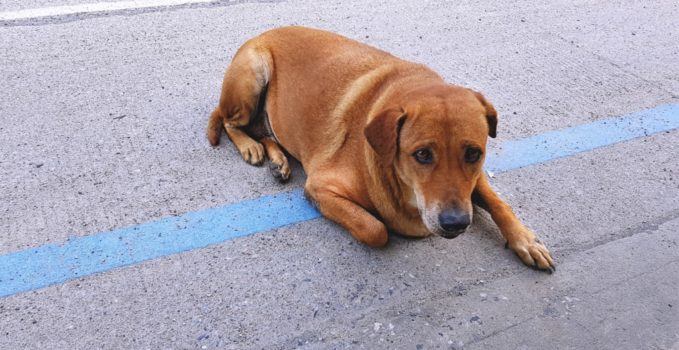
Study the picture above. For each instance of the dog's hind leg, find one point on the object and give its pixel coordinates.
(251, 150)
(279, 166)
(244, 81)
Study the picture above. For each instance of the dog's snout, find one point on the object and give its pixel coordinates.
(454, 220)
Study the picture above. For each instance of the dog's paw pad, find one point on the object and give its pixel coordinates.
(280, 171)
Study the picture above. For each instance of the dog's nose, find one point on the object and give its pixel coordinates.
(454, 221)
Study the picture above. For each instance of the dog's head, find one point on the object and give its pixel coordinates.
(435, 139)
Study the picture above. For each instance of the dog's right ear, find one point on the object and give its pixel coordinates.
(491, 114)
(382, 133)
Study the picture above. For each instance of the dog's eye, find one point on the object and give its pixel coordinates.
(472, 155)
(423, 156)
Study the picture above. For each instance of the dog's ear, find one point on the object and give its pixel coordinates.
(491, 114)
(382, 133)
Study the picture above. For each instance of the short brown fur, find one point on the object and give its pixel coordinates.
(356, 118)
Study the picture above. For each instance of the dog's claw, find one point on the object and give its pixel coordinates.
(275, 170)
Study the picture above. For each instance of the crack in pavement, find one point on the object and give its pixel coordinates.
(610, 62)
(395, 309)
(647, 226)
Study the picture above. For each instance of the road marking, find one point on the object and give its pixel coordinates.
(51, 264)
(580, 138)
(92, 8)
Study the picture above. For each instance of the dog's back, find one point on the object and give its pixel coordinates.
(322, 84)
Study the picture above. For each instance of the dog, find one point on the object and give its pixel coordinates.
(386, 144)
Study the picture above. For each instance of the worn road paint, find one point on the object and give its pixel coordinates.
(51, 263)
(66, 10)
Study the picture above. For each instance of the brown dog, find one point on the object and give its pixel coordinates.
(383, 141)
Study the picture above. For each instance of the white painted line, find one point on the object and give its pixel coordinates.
(90, 8)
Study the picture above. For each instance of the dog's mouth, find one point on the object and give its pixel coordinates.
(432, 220)
(440, 231)
(445, 223)
(451, 234)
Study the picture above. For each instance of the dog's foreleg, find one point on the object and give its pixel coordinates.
(519, 238)
(341, 209)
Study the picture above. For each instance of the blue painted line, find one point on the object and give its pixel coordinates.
(52, 264)
(585, 137)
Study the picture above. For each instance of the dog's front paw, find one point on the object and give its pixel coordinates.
(252, 152)
(532, 252)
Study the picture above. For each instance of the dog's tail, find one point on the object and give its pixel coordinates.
(214, 127)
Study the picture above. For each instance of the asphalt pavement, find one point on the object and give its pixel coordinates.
(103, 118)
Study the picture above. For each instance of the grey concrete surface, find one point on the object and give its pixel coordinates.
(102, 127)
